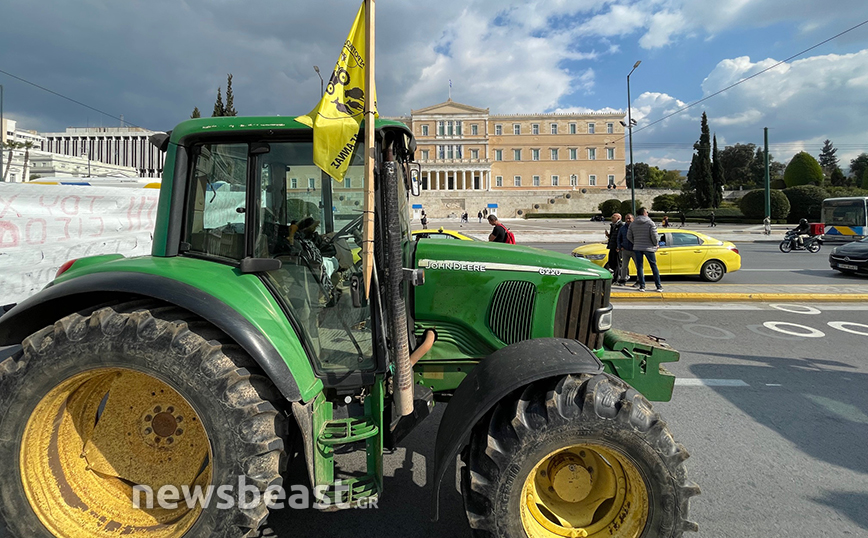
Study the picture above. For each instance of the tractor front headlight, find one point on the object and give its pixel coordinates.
(603, 319)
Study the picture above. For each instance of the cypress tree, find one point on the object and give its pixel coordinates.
(196, 113)
(229, 109)
(717, 175)
(702, 176)
(219, 110)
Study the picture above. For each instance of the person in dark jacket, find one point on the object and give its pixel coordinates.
(643, 234)
(612, 243)
(625, 252)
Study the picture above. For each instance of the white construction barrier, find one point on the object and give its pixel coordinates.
(43, 226)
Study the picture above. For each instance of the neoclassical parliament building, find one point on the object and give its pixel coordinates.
(464, 148)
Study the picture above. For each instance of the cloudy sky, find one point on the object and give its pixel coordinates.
(154, 60)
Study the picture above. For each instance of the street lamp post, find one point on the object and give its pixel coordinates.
(321, 91)
(630, 134)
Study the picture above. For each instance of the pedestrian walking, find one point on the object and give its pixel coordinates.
(625, 252)
(424, 220)
(666, 221)
(712, 218)
(500, 233)
(479, 215)
(643, 234)
(683, 218)
(612, 243)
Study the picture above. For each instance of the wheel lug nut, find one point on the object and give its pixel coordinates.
(148, 418)
(148, 431)
(158, 409)
(179, 431)
(170, 440)
(170, 409)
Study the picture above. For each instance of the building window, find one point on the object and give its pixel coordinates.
(516, 155)
(610, 128)
(534, 154)
(348, 183)
(572, 128)
(450, 152)
(424, 130)
(534, 128)
(610, 153)
(554, 128)
(591, 128)
(311, 183)
(573, 154)
(458, 128)
(293, 183)
(554, 154)
(592, 180)
(536, 181)
(441, 128)
(498, 130)
(474, 154)
(474, 129)
(611, 179)
(516, 128)
(592, 154)
(424, 154)
(555, 181)
(574, 180)
(516, 181)
(441, 152)
(498, 155)
(498, 181)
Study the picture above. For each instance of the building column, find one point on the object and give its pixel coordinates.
(436, 180)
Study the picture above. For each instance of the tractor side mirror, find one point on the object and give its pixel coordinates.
(415, 179)
(259, 265)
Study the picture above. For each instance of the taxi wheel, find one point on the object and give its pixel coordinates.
(712, 270)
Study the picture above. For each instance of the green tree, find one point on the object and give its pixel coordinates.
(836, 178)
(664, 179)
(627, 206)
(665, 202)
(702, 180)
(805, 201)
(229, 109)
(610, 207)
(219, 109)
(717, 175)
(828, 161)
(736, 161)
(803, 170)
(865, 179)
(196, 113)
(641, 170)
(858, 167)
(753, 204)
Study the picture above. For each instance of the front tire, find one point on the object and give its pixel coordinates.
(126, 396)
(579, 455)
(814, 247)
(786, 246)
(712, 270)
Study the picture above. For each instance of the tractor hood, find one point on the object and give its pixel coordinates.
(480, 297)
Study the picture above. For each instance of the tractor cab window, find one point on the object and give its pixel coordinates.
(217, 204)
(314, 229)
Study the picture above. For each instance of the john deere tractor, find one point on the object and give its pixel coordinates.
(246, 343)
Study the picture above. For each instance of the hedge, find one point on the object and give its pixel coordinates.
(610, 207)
(753, 204)
(806, 201)
(803, 170)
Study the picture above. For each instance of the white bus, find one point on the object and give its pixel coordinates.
(845, 219)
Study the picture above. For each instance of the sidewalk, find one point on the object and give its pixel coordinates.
(856, 292)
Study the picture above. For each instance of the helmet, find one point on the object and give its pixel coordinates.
(803, 221)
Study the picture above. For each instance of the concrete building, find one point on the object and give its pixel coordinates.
(118, 146)
(464, 148)
(16, 167)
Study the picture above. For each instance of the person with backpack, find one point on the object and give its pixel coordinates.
(424, 220)
(500, 233)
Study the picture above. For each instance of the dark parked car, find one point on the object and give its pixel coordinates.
(598, 218)
(851, 258)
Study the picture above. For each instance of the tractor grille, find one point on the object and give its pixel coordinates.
(574, 316)
(511, 315)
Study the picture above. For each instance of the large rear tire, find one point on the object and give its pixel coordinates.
(576, 456)
(129, 396)
(814, 246)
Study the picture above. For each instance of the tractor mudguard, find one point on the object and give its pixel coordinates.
(64, 298)
(496, 376)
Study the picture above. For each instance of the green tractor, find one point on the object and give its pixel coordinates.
(246, 344)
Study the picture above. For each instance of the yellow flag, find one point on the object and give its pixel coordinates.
(337, 117)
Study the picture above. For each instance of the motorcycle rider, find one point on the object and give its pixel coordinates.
(801, 232)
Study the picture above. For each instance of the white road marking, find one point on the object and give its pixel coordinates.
(756, 329)
(811, 332)
(677, 315)
(703, 330)
(688, 306)
(773, 384)
(697, 382)
(840, 326)
(795, 308)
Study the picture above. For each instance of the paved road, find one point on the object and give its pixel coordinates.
(777, 425)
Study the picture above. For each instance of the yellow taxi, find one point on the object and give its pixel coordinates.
(681, 252)
(440, 233)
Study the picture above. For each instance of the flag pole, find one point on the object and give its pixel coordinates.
(368, 223)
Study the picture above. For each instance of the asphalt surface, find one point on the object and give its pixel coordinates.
(776, 424)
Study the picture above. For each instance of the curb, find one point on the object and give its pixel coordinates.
(739, 297)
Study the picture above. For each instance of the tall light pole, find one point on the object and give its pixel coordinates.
(321, 91)
(630, 131)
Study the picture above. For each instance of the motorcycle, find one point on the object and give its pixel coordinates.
(791, 242)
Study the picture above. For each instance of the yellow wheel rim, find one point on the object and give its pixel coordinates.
(98, 434)
(585, 490)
